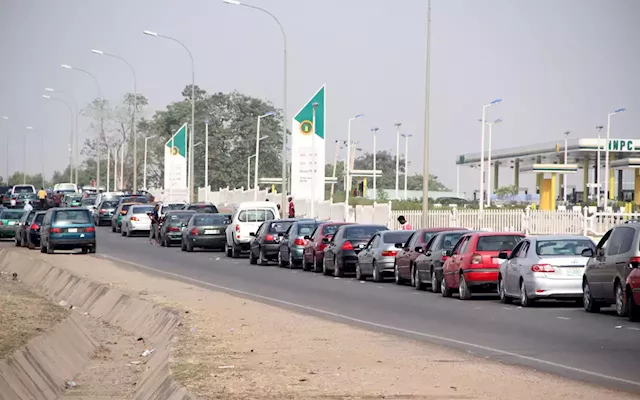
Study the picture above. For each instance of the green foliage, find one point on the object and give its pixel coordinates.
(508, 190)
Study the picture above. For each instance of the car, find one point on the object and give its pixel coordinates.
(405, 260)
(65, 188)
(133, 198)
(632, 292)
(428, 266)
(116, 219)
(19, 190)
(377, 258)
(160, 210)
(171, 225)
(9, 219)
(89, 204)
(23, 198)
(605, 277)
(473, 263)
(205, 231)
(313, 252)
(265, 245)
(543, 267)
(20, 237)
(294, 241)
(108, 196)
(6, 195)
(247, 218)
(136, 219)
(33, 230)
(341, 253)
(67, 229)
(104, 212)
(202, 207)
(71, 200)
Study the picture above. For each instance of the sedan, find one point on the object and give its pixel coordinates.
(378, 256)
(206, 231)
(136, 220)
(171, 225)
(294, 241)
(428, 266)
(265, 245)
(341, 253)
(104, 212)
(313, 252)
(544, 267)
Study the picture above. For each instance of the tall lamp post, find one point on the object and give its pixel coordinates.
(598, 166)
(606, 155)
(133, 121)
(249, 171)
(45, 96)
(348, 167)
(489, 190)
(374, 132)
(98, 143)
(6, 142)
(564, 178)
(284, 106)
(484, 113)
(397, 125)
(406, 161)
(425, 161)
(24, 157)
(144, 178)
(255, 172)
(74, 141)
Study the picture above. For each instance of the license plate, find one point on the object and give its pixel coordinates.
(72, 230)
(574, 271)
(211, 232)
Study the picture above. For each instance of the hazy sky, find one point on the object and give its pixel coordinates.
(558, 65)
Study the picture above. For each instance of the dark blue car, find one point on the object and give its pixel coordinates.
(68, 229)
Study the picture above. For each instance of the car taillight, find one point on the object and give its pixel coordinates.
(542, 268)
(237, 228)
(34, 227)
(1, 223)
(322, 246)
(90, 229)
(102, 211)
(476, 259)
(347, 246)
(389, 253)
(634, 262)
(194, 231)
(444, 258)
(55, 230)
(300, 242)
(173, 229)
(135, 218)
(268, 238)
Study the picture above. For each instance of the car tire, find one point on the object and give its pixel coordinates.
(435, 283)
(359, 275)
(325, 270)
(464, 291)
(261, 259)
(92, 249)
(189, 246)
(167, 242)
(43, 248)
(30, 246)
(235, 252)
(377, 276)
(252, 260)
(50, 249)
(444, 288)
(396, 275)
(227, 250)
(525, 301)
(633, 309)
(621, 301)
(588, 301)
(417, 283)
(292, 263)
(85, 250)
(504, 299)
(337, 272)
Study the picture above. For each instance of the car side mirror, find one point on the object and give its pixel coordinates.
(419, 249)
(283, 235)
(325, 240)
(252, 234)
(448, 253)
(398, 245)
(587, 253)
(503, 255)
(307, 237)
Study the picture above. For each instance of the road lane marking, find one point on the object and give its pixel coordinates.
(563, 318)
(633, 328)
(378, 325)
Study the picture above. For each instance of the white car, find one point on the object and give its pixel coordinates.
(136, 219)
(165, 208)
(246, 219)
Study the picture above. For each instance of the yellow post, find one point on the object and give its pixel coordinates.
(553, 191)
(636, 186)
(612, 181)
(364, 188)
(545, 194)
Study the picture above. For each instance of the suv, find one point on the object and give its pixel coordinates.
(246, 220)
(605, 277)
(68, 229)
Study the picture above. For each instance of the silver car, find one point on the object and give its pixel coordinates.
(378, 256)
(136, 219)
(544, 267)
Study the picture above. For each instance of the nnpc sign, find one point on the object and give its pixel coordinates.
(622, 145)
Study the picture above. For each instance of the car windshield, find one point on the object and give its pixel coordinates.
(77, 216)
(306, 229)
(88, 202)
(74, 198)
(257, 215)
(203, 208)
(170, 207)
(12, 214)
(142, 210)
(497, 242)
(330, 229)
(209, 220)
(109, 204)
(563, 247)
(39, 218)
(450, 239)
(179, 218)
(137, 199)
(22, 189)
(396, 237)
(361, 232)
(280, 226)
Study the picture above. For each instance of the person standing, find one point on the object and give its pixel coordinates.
(42, 196)
(292, 208)
(28, 207)
(404, 224)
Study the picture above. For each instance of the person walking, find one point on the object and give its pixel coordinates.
(42, 196)
(404, 224)
(292, 208)
(28, 207)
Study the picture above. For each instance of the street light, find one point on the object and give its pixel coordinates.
(144, 178)
(74, 146)
(606, 155)
(4, 118)
(427, 91)
(348, 167)
(564, 178)
(497, 121)
(284, 106)
(24, 157)
(339, 145)
(70, 133)
(249, 166)
(66, 66)
(133, 123)
(374, 131)
(255, 172)
(397, 125)
(406, 161)
(598, 165)
(193, 111)
(484, 111)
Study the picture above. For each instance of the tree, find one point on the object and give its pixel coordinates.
(504, 191)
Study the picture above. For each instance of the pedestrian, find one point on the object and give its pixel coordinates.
(154, 216)
(42, 196)
(292, 208)
(28, 207)
(404, 224)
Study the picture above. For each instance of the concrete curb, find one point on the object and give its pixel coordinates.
(100, 301)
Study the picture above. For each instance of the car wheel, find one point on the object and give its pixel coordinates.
(325, 271)
(377, 277)
(30, 245)
(227, 249)
(167, 242)
(337, 271)
(43, 248)
(504, 299)
(235, 252)
(463, 290)
(252, 259)
(634, 309)
(92, 249)
(396, 275)
(292, 264)
(189, 246)
(588, 302)
(417, 283)
(525, 301)
(621, 301)
(435, 283)
(85, 250)
(262, 259)
(359, 273)
(444, 288)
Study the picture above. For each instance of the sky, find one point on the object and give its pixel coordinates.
(557, 65)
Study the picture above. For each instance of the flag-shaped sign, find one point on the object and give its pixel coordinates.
(175, 160)
(308, 148)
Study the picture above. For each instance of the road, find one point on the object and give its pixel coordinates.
(557, 338)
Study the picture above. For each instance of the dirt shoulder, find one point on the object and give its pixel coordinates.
(23, 315)
(231, 348)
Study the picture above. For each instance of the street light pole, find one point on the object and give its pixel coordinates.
(397, 125)
(284, 107)
(484, 113)
(4, 118)
(44, 96)
(145, 160)
(206, 160)
(348, 167)
(564, 179)
(425, 161)
(374, 131)
(249, 171)
(108, 167)
(406, 161)
(598, 170)
(606, 156)
(488, 172)
(24, 157)
(255, 172)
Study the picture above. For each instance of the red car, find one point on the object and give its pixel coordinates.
(313, 252)
(633, 290)
(473, 263)
(405, 259)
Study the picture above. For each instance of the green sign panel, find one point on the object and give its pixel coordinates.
(621, 145)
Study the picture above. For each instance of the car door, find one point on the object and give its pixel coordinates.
(308, 248)
(516, 267)
(366, 255)
(330, 250)
(595, 266)
(423, 261)
(616, 264)
(404, 256)
(255, 243)
(285, 245)
(462, 259)
(451, 265)
(510, 269)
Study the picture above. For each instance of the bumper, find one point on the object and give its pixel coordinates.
(34, 238)
(204, 241)
(348, 262)
(270, 250)
(296, 253)
(8, 231)
(70, 244)
(174, 237)
(545, 288)
(140, 226)
(481, 276)
(384, 266)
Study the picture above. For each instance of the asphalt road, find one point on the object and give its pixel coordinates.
(557, 338)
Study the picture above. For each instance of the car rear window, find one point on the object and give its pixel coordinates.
(182, 217)
(563, 247)
(209, 220)
(330, 229)
(12, 214)
(39, 218)
(257, 215)
(171, 207)
(362, 232)
(125, 208)
(23, 189)
(136, 199)
(427, 236)
(203, 208)
(142, 210)
(109, 204)
(497, 242)
(450, 239)
(72, 217)
(306, 229)
(280, 227)
(396, 237)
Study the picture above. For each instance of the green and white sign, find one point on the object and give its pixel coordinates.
(175, 161)
(622, 145)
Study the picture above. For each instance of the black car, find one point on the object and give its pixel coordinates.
(21, 230)
(33, 230)
(206, 231)
(105, 211)
(266, 243)
(171, 225)
(293, 242)
(202, 207)
(429, 264)
(341, 253)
